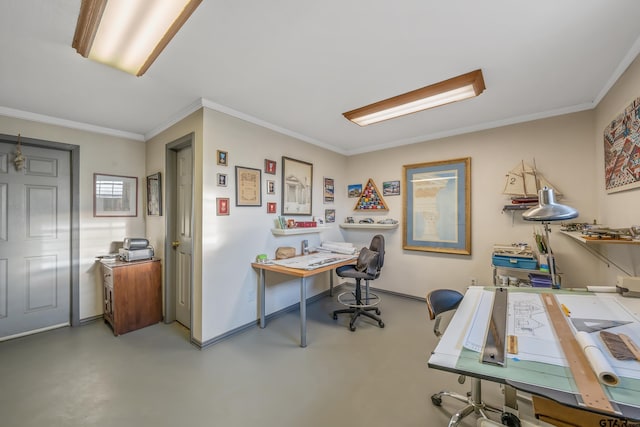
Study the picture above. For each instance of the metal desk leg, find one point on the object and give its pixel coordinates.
(261, 297)
(330, 283)
(303, 312)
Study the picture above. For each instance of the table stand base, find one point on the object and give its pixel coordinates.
(473, 400)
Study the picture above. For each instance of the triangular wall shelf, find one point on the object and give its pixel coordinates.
(370, 199)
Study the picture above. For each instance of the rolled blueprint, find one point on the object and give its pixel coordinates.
(597, 360)
(607, 289)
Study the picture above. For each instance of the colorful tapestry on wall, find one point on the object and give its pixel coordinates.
(622, 150)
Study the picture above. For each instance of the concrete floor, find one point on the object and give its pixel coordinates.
(153, 377)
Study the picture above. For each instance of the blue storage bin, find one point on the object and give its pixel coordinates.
(514, 262)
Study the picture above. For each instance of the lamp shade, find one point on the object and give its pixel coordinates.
(548, 209)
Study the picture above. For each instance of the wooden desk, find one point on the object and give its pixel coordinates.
(302, 274)
(544, 379)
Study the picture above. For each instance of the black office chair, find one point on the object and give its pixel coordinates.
(368, 266)
(439, 302)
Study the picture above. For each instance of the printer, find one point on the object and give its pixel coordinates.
(135, 249)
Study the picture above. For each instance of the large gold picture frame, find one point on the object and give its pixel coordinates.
(437, 206)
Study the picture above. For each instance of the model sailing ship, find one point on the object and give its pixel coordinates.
(522, 185)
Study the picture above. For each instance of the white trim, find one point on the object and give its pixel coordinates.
(259, 122)
(41, 118)
(35, 331)
(476, 128)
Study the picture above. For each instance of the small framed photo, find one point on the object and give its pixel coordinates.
(222, 206)
(271, 207)
(222, 180)
(354, 190)
(271, 186)
(154, 195)
(328, 190)
(223, 158)
(329, 215)
(270, 166)
(391, 188)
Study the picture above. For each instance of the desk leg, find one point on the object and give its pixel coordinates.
(330, 283)
(303, 312)
(261, 297)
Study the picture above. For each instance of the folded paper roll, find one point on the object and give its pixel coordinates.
(605, 289)
(597, 360)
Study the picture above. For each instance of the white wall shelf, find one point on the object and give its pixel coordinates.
(370, 226)
(301, 230)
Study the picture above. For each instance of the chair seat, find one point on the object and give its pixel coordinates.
(350, 272)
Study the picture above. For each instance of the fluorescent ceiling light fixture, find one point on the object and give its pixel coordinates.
(455, 89)
(129, 34)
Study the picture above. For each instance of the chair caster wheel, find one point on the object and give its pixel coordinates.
(352, 328)
(381, 324)
(335, 316)
(436, 399)
(378, 311)
(509, 419)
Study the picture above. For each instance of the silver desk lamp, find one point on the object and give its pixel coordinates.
(546, 211)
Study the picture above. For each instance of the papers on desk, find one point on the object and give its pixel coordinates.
(313, 261)
(337, 247)
(527, 319)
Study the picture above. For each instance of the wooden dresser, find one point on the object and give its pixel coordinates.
(132, 294)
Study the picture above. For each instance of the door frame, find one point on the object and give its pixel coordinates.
(74, 152)
(170, 292)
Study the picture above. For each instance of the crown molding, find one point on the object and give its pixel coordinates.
(41, 118)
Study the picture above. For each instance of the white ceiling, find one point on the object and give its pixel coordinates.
(296, 65)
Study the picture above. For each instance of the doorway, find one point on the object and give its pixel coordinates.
(179, 232)
(39, 239)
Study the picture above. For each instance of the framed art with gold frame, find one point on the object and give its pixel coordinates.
(437, 206)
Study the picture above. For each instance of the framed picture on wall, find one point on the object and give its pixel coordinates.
(222, 180)
(248, 186)
(297, 187)
(223, 157)
(271, 207)
(271, 186)
(154, 195)
(437, 206)
(328, 190)
(354, 190)
(391, 188)
(329, 215)
(269, 166)
(115, 195)
(222, 206)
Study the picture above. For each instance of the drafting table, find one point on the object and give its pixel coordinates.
(543, 374)
(314, 264)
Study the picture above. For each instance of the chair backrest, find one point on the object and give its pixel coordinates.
(377, 244)
(440, 301)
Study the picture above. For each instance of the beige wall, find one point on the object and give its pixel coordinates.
(103, 154)
(156, 162)
(224, 246)
(617, 209)
(567, 150)
(563, 152)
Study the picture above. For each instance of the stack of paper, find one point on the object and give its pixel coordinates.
(338, 247)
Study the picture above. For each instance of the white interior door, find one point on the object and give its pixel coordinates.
(183, 228)
(35, 240)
